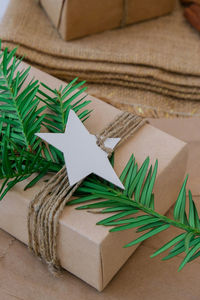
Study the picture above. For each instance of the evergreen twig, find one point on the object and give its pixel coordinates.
(21, 116)
(137, 198)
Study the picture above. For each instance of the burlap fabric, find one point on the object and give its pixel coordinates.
(152, 68)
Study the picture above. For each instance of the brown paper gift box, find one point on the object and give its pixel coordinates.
(86, 250)
(78, 18)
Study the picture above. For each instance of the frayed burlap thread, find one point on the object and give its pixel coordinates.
(46, 208)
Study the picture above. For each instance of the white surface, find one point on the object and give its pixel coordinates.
(81, 153)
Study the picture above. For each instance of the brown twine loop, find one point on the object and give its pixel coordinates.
(46, 208)
(124, 13)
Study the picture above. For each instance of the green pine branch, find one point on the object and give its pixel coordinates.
(22, 116)
(137, 198)
(18, 110)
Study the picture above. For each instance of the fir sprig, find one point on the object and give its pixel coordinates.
(18, 165)
(137, 198)
(21, 116)
(59, 102)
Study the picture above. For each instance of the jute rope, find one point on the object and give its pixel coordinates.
(45, 209)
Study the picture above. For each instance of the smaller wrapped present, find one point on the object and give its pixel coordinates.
(78, 18)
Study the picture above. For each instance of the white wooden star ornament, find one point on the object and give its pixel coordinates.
(82, 154)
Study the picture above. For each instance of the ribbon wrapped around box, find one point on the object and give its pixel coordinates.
(78, 18)
(88, 251)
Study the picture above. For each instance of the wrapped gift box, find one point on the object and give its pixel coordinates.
(91, 252)
(78, 18)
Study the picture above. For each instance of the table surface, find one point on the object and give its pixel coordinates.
(23, 276)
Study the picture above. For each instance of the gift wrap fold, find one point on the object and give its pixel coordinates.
(89, 251)
(78, 18)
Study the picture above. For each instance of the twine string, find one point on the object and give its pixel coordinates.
(47, 206)
(124, 13)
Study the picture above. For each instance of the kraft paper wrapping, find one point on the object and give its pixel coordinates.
(79, 18)
(86, 250)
